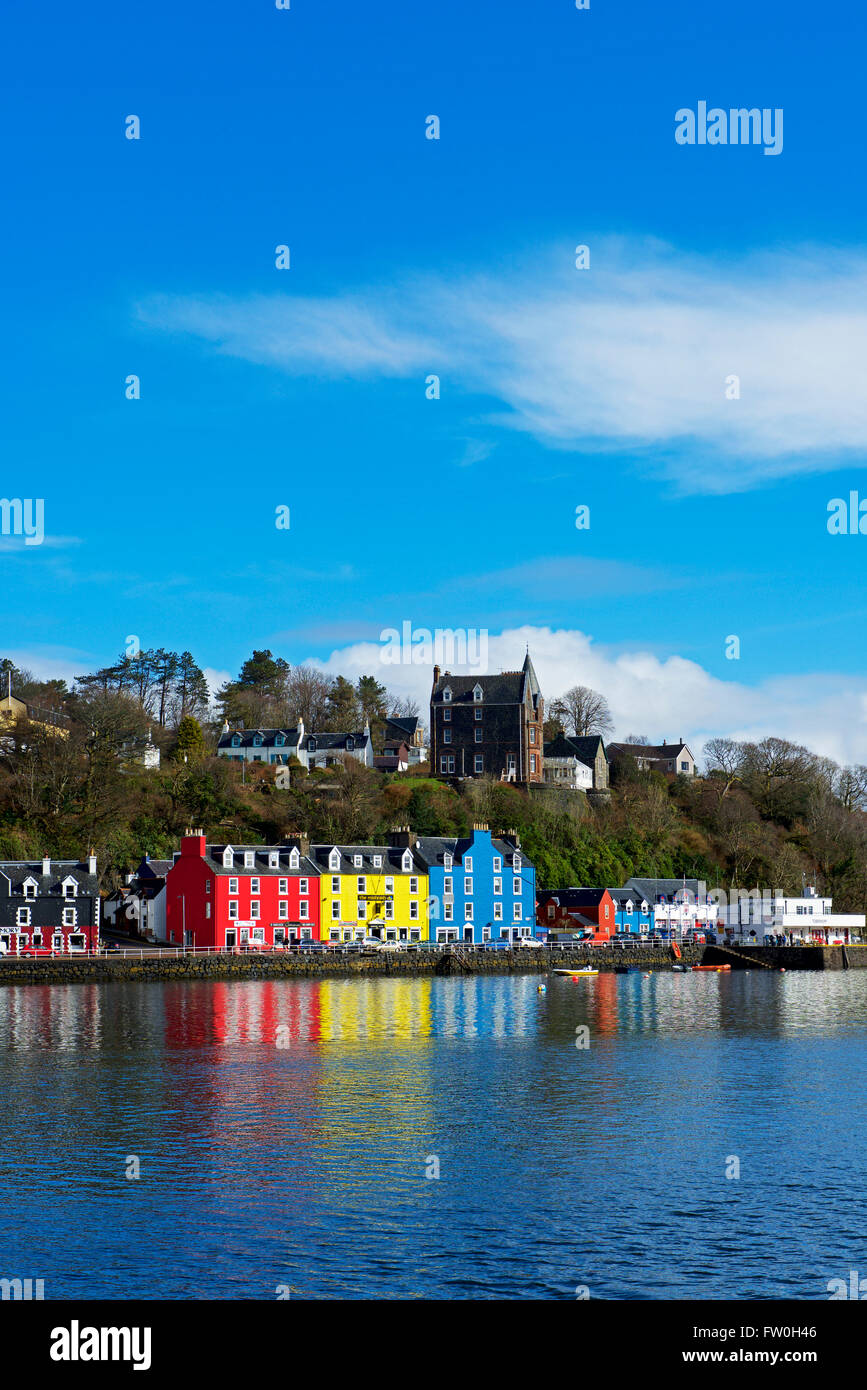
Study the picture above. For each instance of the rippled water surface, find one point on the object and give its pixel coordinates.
(306, 1164)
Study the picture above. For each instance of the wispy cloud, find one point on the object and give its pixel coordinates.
(632, 354)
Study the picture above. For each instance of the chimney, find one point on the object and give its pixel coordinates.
(480, 825)
(46, 866)
(193, 843)
(400, 837)
(295, 840)
(436, 676)
(225, 726)
(91, 861)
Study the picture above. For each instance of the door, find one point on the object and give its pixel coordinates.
(231, 938)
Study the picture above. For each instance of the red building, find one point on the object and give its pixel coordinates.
(576, 911)
(255, 896)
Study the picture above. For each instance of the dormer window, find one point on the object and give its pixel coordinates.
(273, 859)
(236, 740)
(356, 860)
(294, 859)
(334, 859)
(516, 863)
(279, 740)
(228, 858)
(350, 744)
(478, 693)
(447, 862)
(312, 745)
(31, 887)
(407, 861)
(377, 861)
(257, 740)
(70, 887)
(447, 694)
(249, 859)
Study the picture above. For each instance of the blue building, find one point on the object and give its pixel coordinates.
(633, 911)
(482, 888)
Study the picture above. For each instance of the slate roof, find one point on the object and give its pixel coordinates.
(153, 868)
(291, 738)
(391, 859)
(573, 897)
(507, 688)
(649, 750)
(214, 860)
(433, 848)
(405, 728)
(584, 747)
(622, 896)
(14, 872)
(329, 743)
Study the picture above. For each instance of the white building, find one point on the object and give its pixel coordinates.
(809, 918)
(567, 772)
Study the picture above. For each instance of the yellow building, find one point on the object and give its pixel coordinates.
(12, 709)
(376, 891)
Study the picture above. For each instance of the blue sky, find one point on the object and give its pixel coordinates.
(456, 257)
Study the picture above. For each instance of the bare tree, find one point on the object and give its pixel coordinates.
(726, 757)
(307, 693)
(583, 711)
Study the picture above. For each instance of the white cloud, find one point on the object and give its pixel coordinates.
(631, 354)
(660, 697)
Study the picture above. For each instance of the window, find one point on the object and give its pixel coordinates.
(447, 715)
(498, 864)
(468, 912)
(389, 908)
(207, 911)
(468, 863)
(57, 941)
(516, 912)
(478, 763)
(413, 912)
(335, 911)
(254, 910)
(207, 885)
(350, 744)
(478, 693)
(30, 888)
(533, 735)
(389, 885)
(498, 885)
(447, 763)
(273, 859)
(279, 741)
(334, 859)
(468, 887)
(334, 936)
(532, 762)
(279, 936)
(37, 938)
(406, 863)
(447, 694)
(233, 912)
(413, 885)
(479, 735)
(377, 861)
(254, 885)
(447, 735)
(486, 933)
(302, 911)
(360, 884)
(335, 884)
(294, 859)
(77, 941)
(257, 740)
(517, 885)
(362, 911)
(236, 740)
(258, 934)
(477, 714)
(415, 935)
(516, 863)
(448, 912)
(605, 905)
(684, 767)
(70, 888)
(629, 909)
(498, 912)
(22, 917)
(70, 917)
(302, 885)
(283, 886)
(447, 887)
(447, 862)
(228, 858)
(233, 885)
(356, 860)
(249, 859)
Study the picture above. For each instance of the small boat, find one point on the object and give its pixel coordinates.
(579, 970)
(682, 969)
(717, 969)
